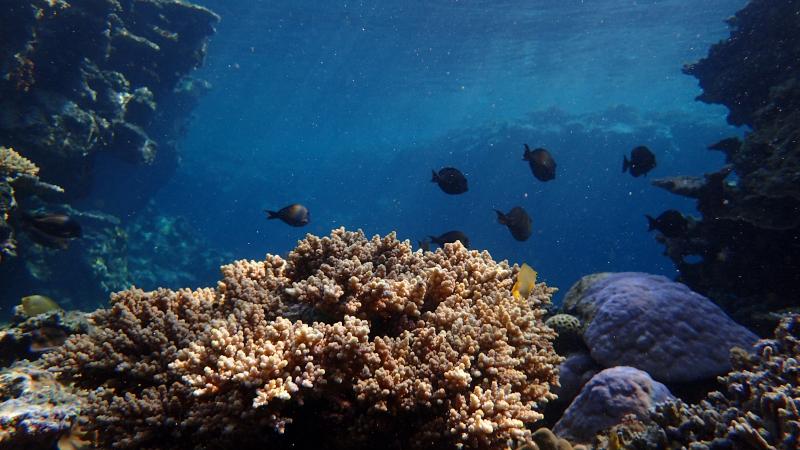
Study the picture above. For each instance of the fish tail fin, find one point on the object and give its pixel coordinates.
(625, 164)
(433, 240)
(271, 214)
(652, 223)
(527, 152)
(501, 218)
(434, 177)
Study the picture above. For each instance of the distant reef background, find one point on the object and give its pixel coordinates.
(95, 96)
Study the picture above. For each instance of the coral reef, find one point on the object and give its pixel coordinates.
(608, 397)
(111, 256)
(568, 330)
(577, 369)
(754, 217)
(80, 79)
(347, 342)
(35, 410)
(757, 410)
(657, 325)
(18, 179)
(28, 337)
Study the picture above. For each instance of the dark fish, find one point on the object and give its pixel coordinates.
(642, 161)
(670, 223)
(542, 163)
(425, 245)
(518, 222)
(451, 180)
(450, 237)
(295, 215)
(51, 229)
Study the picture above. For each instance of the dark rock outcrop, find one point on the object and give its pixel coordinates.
(744, 252)
(81, 79)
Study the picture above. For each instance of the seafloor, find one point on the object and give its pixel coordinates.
(356, 342)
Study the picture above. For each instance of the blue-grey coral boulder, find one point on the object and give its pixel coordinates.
(608, 397)
(660, 326)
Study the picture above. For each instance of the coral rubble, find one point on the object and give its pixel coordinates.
(35, 409)
(743, 251)
(348, 342)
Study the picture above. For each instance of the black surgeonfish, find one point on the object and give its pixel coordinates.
(295, 215)
(542, 163)
(670, 223)
(642, 161)
(425, 245)
(52, 230)
(518, 222)
(450, 237)
(451, 180)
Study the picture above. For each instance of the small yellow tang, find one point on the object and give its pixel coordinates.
(526, 279)
(33, 305)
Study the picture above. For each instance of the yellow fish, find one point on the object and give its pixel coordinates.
(33, 305)
(526, 279)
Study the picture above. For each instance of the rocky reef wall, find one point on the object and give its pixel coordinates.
(92, 77)
(744, 250)
(94, 97)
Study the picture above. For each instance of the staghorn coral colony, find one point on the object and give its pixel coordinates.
(355, 339)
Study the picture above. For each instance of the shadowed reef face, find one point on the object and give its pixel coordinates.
(85, 79)
(746, 239)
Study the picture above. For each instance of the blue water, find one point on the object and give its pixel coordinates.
(347, 106)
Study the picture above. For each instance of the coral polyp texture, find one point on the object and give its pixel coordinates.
(757, 409)
(18, 180)
(349, 342)
(12, 164)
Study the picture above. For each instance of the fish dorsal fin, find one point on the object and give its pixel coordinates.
(526, 280)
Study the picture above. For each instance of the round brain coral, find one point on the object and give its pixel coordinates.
(564, 324)
(347, 343)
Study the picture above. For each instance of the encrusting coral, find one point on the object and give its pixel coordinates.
(346, 343)
(757, 410)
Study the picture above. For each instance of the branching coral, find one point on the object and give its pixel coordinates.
(346, 343)
(18, 178)
(12, 164)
